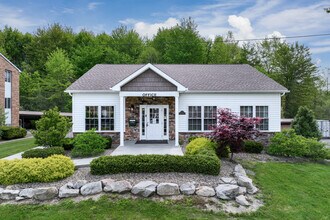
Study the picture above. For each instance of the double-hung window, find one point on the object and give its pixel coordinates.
(91, 119)
(210, 117)
(262, 112)
(246, 111)
(7, 102)
(8, 76)
(195, 118)
(107, 118)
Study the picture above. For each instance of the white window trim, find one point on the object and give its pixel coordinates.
(99, 118)
(254, 113)
(202, 119)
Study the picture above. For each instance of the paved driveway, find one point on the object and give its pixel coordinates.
(131, 148)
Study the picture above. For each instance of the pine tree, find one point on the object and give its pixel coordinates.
(305, 123)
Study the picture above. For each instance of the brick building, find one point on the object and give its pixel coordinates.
(9, 90)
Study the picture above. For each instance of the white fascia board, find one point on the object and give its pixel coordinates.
(240, 91)
(89, 91)
(117, 87)
(10, 62)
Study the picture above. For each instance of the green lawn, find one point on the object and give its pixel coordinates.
(14, 147)
(291, 191)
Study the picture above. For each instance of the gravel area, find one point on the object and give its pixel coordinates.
(179, 178)
(266, 157)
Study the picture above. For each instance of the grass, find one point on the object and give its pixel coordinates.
(291, 191)
(14, 147)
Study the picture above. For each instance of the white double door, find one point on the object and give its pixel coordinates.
(154, 122)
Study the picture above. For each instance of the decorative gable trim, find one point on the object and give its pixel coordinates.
(118, 86)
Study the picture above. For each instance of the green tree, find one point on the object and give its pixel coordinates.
(304, 123)
(59, 76)
(225, 51)
(180, 44)
(290, 65)
(51, 129)
(149, 55)
(2, 117)
(31, 94)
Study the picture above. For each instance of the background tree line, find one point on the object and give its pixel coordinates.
(53, 57)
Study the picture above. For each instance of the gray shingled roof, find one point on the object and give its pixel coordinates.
(196, 77)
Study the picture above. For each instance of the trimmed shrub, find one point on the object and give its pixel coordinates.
(43, 153)
(88, 144)
(51, 129)
(201, 146)
(288, 143)
(109, 144)
(9, 132)
(253, 147)
(304, 123)
(155, 164)
(68, 143)
(191, 138)
(33, 170)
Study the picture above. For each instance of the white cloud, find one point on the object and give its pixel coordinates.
(16, 18)
(93, 5)
(243, 25)
(149, 29)
(68, 11)
(260, 8)
(317, 50)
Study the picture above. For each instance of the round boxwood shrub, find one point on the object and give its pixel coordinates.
(88, 144)
(253, 147)
(33, 170)
(9, 132)
(43, 153)
(201, 145)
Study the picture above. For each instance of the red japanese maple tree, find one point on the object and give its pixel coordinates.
(231, 130)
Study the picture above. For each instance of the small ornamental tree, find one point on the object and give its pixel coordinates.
(304, 123)
(52, 128)
(231, 130)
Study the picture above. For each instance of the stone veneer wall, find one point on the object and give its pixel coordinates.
(133, 133)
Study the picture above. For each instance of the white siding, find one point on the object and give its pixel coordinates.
(81, 100)
(233, 102)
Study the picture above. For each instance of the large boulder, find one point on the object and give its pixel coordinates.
(78, 184)
(91, 188)
(45, 193)
(9, 194)
(242, 200)
(168, 189)
(205, 191)
(187, 188)
(118, 187)
(252, 190)
(27, 193)
(145, 188)
(227, 191)
(228, 180)
(68, 191)
(239, 170)
(106, 182)
(247, 182)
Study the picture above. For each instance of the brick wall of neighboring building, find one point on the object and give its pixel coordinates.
(14, 90)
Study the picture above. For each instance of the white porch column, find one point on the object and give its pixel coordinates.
(177, 120)
(121, 119)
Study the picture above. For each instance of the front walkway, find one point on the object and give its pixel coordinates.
(131, 148)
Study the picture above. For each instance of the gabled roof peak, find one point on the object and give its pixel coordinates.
(10, 62)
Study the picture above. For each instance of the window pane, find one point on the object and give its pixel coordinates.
(246, 111)
(8, 76)
(210, 117)
(165, 121)
(262, 112)
(107, 119)
(195, 118)
(91, 120)
(7, 102)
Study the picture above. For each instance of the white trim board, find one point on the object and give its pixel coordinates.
(10, 62)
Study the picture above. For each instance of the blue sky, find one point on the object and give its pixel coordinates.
(246, 19)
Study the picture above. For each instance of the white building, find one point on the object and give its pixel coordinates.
(163, 102)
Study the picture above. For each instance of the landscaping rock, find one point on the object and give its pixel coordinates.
(9, 194)
(228, 180)
(118, 187)
(227, 191)
(27, 193)
(239, 170)
(242, 190)
(168, 189)
(188, 188)
(78, 184)
(252, 190)
(242, 200)
(45, 193)
(68, 191)
(106, 182)
(91, 188)
(244, 181)
(1, 190)
(145, 188)
(205, 191)
(19, 198)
